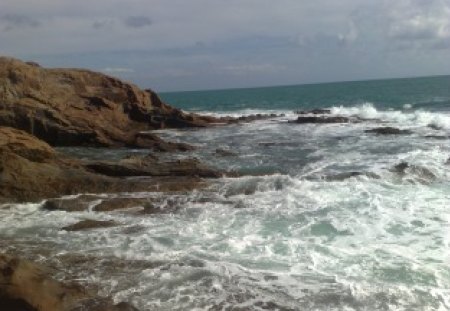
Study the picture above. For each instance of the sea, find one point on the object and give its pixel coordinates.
(322, 217)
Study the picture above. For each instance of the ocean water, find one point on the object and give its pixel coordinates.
(323, 219)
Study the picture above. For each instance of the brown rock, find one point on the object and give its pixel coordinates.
(113, 204)
(90, 224)
(225, 153)
(72, 107)
(31, 170)
(150, 166)
(27, 286)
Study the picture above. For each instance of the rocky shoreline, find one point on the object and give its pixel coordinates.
(41, 109)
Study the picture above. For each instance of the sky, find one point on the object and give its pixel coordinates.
(171, 45)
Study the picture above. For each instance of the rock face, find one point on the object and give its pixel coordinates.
(25, 286)
(73, 107)
(150, 166)
(31, 170)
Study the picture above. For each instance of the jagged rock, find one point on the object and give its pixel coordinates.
(25, 286)
(387, 130)
(88, 224)
(31, 170)
(323, 119)
(314, 111)
(149, 166)
(422, 173)
(73, 107)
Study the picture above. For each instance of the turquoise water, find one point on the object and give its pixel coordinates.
(324, 219)
(430, 93)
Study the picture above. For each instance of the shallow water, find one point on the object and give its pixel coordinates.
(327, 222)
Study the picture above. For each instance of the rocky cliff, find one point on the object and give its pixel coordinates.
(67, 107)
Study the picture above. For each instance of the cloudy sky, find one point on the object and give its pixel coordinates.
(208, 44)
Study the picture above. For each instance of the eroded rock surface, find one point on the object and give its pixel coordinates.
(27, 286)
(74, 107)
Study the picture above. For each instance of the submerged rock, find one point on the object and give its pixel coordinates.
(225, 153)
(323, 119)
(404, 169)
(88, 224)
(387, 130)
(314, 111)
(25, 286)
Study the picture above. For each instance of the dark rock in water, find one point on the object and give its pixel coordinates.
(438, 137)
(323, 119)
(422, 173)
(25, 286)
(347, 175)
(77, 204)
(434, 127)
(448, 161)
(149, 166)
(281, 143)
(314, 111)
(225, 153)
(113, 204)
(88, 224)
(387, 130)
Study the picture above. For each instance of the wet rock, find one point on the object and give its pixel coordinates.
(29, 286)
(151, 166)
(435, 127)
(323, 119)
(438, 137)
(423, 174)
(113, 204)
(76, 204)
(314, 111)
(448, 161)
(225, 153)
(346, 175)
(88, 224)
(30, 170)
(387, 130)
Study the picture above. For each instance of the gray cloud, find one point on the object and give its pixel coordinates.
(12, 21)
(138, 21)
(101, 24)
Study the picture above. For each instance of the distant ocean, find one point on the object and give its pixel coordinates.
(324, 217)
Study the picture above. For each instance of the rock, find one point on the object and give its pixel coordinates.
(346, 175)
(113, 204)
(438, 137)
(73, 107)
(30, 170)
(90, 224)
(448, 161)
(314, 111)
(323, 119)
(225, 153)
(387, 130)
(25, 286)
(149, 166)
(422, 173)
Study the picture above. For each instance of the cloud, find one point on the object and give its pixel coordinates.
(13, 21)
(137, 21)
(422, 24)
(102, 24)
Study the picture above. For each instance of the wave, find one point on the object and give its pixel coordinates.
(407, 117)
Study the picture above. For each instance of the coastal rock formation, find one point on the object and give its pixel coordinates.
(323, 119)
(74, 107)
(387, 130)
(151, 166)
(88, 224)
(31, 170)
(25, 286)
